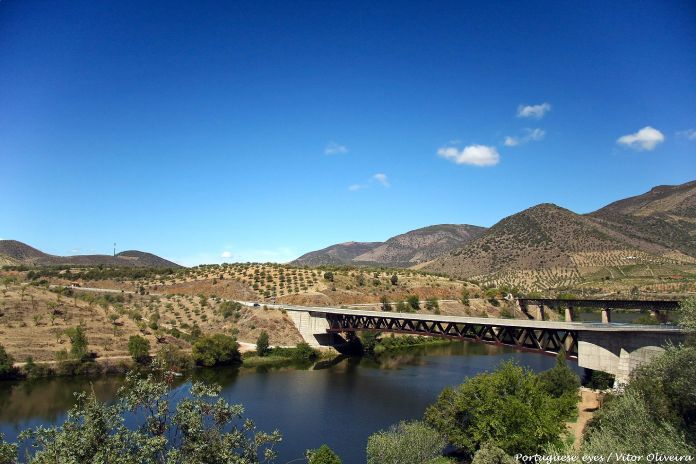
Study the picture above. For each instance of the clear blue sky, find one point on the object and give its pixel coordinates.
(263, 130)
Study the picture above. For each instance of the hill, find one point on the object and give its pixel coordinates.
(13, 252)
(400, 251)
(664, 216)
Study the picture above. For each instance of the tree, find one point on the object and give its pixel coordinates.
(78, 342)
(432, 304)
(491, 454)
(7, 369)
(139, 348)
(394, 279)
(322, 455)
(215, 350)
(405, 443)
(197, 430)
(561, 382)
(465, 297)
(329, 276)
(8, 451)
(413, 302)
(687, 319)
(506, 407)
(262, 344)
(384, 301)
(402, 307)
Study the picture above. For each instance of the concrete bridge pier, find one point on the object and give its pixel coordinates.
(569, 314)
(606, 315)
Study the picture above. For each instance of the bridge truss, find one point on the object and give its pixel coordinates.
(541, 340)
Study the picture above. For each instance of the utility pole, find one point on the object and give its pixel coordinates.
(114, 249)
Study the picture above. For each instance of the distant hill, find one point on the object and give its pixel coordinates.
(665, 216)
(13, 252)
(654, 227)
(400, 251)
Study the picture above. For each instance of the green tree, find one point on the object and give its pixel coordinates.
(506, 407)
(322, 455)
(78, 342)
(687, 318)
(394, 279)
(139, 348)
(413, 302)
(262, 344)
(203, 428)
(329, 276)
(218, 349)
(405, 443)
(7, 369)
(491, 454)
(561, 382)
(384, 302)
(8, 451)
(465, 297)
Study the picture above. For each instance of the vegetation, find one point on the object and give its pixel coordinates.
(7, 369)
(218, 349)
(323, 455)
(262, 344)
(405, 443)
(139, 348)
(202, 428)
(508, 408)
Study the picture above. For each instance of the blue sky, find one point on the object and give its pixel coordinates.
(263, 130)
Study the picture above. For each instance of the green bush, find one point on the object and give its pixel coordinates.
(174, 359)
(262, 344)
(413, 302)
(218, 349)
(7, 369)
(405, 443)
(139, 348)
(322, 455)
(491, 454)
(561, 382)
(78, 342)
(506, 408)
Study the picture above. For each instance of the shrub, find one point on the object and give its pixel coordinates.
(561, 382)
(329, 276)
(505, 407)
(405, 443)
(78, 342)
(465, 297)
(491, 454)
(174, 359)
(385, 305)
(432, 304)
(139, 348)
(413, 302)
(394, 279)
(322, 455)
(7, 369)
(597, 380)
(262, 344)
(216, 350)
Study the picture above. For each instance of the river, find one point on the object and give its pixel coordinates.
(340, 404)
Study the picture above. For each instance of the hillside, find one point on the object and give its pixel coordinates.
(664, 216)
(402, 250)
(13, 252)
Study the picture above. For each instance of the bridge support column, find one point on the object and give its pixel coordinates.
(606, 315)
(620, 353)
(569, 314)
(542, 313)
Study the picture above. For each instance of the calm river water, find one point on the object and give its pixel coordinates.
(340, 404)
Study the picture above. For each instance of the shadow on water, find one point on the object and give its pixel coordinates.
(340, 401)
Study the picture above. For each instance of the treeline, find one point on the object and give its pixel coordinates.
(95, 273)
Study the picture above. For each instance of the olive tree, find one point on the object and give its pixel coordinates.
(405, 443)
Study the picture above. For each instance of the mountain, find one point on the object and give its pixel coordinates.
(13, 252)
(657, 226)
(665, 216)
(402, 250)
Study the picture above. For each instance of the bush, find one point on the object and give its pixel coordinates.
(78, 342)
(405, 443)
(262, 344)
(561, 382)
(139, 348)
(329, 276)
(413, 302)
(304, 352)
(174, 359)
(7, 369)
(597, 380)
(506, 408)
(394, 279)
(216, 350)
(491, 454)
(322, 455)
(432, 304)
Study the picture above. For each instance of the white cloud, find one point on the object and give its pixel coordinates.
(533, 111)
(530, 135)
(226, 254)
(382, 179)
(333, 148)
(645, 139)
(689, 134)
(356, 187)
(477, 155)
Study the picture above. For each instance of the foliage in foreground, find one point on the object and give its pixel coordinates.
(322, 455)
(509, 408)
(405, 443)
(202, 428)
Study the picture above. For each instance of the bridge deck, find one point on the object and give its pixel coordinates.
(499, 322)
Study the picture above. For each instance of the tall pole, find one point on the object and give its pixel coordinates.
(114, 248)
